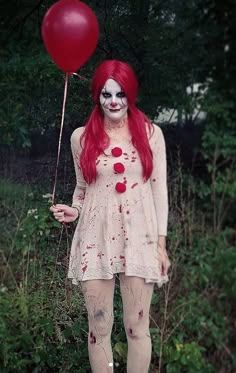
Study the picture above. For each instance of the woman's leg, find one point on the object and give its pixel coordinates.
(136, 298)
(98, 296)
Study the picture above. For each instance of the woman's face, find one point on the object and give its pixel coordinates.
(113, 101)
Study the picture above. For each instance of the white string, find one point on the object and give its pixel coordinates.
(60, 137)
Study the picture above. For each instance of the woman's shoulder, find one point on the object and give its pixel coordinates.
(155, 133)
(76, 135)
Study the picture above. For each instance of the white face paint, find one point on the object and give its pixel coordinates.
(113, 101)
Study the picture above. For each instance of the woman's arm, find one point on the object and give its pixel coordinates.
(79, 191)
(159, 182)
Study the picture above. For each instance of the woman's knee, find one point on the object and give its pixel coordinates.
(136, 325)
(100, 323)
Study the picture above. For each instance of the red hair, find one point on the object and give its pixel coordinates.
(94, 138)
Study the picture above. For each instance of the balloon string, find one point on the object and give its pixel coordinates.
(60, 137)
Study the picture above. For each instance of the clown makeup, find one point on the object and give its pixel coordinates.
(113, 101)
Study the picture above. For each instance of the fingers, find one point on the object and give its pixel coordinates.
(58, 212)
(165, 266)
(57, 208)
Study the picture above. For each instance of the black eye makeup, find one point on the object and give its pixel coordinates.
(106, 94)
(120, 94)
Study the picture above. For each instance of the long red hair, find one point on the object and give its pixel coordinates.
(94, 139)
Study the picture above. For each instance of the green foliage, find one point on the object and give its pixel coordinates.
(219, 150)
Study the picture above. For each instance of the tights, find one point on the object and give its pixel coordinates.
(136, 298)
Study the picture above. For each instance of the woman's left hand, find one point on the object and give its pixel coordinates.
(163, 256)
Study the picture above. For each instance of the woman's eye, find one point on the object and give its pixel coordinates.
(106, 94)
(121, 94)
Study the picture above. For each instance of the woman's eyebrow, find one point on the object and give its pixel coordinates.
(107, 91)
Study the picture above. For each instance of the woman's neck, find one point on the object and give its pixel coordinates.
(115, 125)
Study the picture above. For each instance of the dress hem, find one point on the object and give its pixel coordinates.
(159, 282)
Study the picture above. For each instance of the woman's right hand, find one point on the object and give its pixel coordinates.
(64, 213)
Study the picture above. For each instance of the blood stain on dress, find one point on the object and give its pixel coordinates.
(154, 180)
(85, 253)
(97, 162)
(134, 185)
(122, 257)
(84, 268)
(113, 238)
(100, 254)
(127, 212)
(120, 208)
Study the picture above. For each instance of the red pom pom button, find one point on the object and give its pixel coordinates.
(116, 152)
(119, 168)
(120, 187)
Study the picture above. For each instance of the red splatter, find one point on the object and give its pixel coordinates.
(84, 268)
(125, 154)
(91, 246)
(120, 187)
(120, 208)
(100, 255)
(107, 185)
(127, 239)
(92, 338)
(98, 161)
(85, 253)
(133, 160)
(134, 185)
(116, 152)
(119, 168)
(133, 151)
(154, 180)
(127, 212)
(140, 314)
(113, 238)
(122, 257)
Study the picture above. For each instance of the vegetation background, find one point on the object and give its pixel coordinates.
(172, 45)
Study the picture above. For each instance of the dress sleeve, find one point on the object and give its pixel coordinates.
(79, 192)
(159, 180)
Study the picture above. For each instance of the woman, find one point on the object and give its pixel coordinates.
(121, 201)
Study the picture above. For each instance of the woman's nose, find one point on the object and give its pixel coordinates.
(113, 104)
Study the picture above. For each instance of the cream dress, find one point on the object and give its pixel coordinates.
(119, 224)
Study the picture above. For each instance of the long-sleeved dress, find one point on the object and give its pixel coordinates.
(121, 216)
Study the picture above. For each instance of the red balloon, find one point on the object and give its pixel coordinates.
(70, 33)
